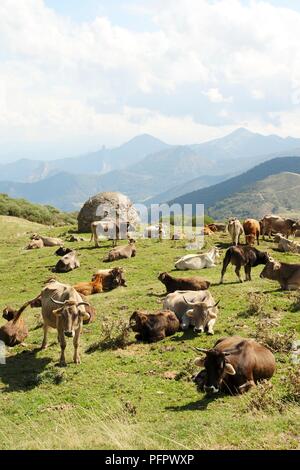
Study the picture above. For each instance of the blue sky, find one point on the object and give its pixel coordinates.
(79, 74)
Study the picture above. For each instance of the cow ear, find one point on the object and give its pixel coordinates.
(229, 369)
(57, 312)
(199, 361)
(85, 315)
(190, 313)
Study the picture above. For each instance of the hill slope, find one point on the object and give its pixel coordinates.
(277, 194)
(212, 195)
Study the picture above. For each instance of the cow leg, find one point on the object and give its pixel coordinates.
(63, 344)
(238, 272)
(248, 273)
(76, 357)
(257, 237)
(44, 343)
(246, 386)
(225, 266)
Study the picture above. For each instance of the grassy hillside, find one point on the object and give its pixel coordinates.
(139, 396)
(277, 194)
(47, 215)
(215, 194)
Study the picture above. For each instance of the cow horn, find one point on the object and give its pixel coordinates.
(83, 303)
(57, 302)
(213, 306)
(202, 350)
(191, 304)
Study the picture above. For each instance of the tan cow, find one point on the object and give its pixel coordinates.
(235, 230)
(276, 224)
(252, 231)
(64, 310)
(47, 241)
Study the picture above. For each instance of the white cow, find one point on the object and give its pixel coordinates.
(153, 231)
(286, 245)
(198, 309)
(198, 261)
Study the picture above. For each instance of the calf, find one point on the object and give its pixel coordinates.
(189, 283)
(234, 365)
(252, 231)
(246, 256)
(122, 252)
(288, 275)
(90, 288)
(235, 230)
(153, 327)
(67, 263)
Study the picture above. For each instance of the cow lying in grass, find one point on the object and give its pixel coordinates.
(67, 263)
(288, 275)
(122, 252)
(47, 241)
(234, 365)
(246, 256)
(285, 245)
(197, 309)
(189, 283)
(102, 282)
(15, 331)
(198, 261)
(152, 327)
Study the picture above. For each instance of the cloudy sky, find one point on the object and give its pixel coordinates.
(75, 74)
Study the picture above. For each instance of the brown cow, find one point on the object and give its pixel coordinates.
(90, 288)
(288, 275)
(246, 256)
(252, 231)
(153, 327)
(234, 365)
(272, 224)
(111, 278)
(189, 283)
(15, 331)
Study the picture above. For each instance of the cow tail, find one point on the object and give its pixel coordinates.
(21, 310)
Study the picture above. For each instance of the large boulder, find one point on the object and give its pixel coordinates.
(96, 208)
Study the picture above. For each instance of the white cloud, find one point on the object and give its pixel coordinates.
(63, 81)
(215, 96)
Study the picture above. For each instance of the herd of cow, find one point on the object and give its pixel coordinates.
(234, 364)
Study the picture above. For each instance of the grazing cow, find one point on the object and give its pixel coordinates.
(122, 252)
(199, 261)
(15, 331)
(198, 309)
(234, 365)
(63, 251)
(252, 231)
(288, 275)
(235, 230)
(153, 327)
(35, 244)
(246, 256)
(67, 263)
(111, 278)
(285, 245)
(189, 283)
(48, 241)
(272, 224)
(64, 310)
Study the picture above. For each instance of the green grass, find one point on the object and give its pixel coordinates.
(120, 398)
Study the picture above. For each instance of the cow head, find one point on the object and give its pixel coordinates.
(137, 320)
(9, 313)
(199, 313)
(250, 239)
(118, 277)
(71, 314)
(162, 276)
(216, 367)
(271, 268)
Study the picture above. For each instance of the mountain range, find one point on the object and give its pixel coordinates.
(146, 169)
